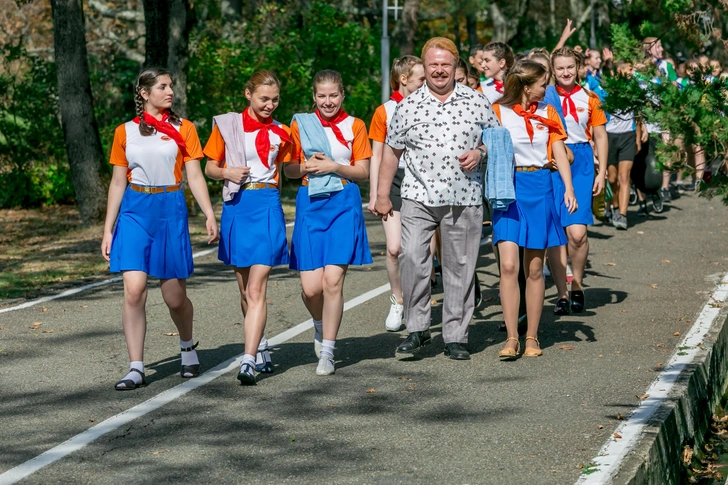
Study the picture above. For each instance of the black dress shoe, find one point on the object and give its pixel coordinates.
(577, 301)
(414, 342)
(562, 307)
(457, 351)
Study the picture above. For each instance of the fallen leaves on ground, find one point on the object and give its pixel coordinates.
(665, 261)
(640, 232)
(172, 334)
(403, 378)
(600, 426)
(46, 331)
(610, 264)
(620, 417)
(370, 391)
(566, 347)
(36, 326)
(653, 286)
(643, 396)
(617, 435)
(676, 334)
(159, 452)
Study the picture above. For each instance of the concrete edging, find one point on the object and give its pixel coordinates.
(684, 418)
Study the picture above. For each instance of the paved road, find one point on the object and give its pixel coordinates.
(378, 420)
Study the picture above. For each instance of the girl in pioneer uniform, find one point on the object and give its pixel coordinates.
(146, 231)
(331, 153)
(246, 150)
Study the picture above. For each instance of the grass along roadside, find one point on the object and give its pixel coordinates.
(48, 248)
(45, 248)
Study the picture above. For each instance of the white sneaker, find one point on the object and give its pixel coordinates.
(393, 323)
(325, 367)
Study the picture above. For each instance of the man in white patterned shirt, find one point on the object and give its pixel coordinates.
(438, 131)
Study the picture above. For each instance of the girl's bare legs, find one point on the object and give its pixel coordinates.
(535, 290)
(253, 284)
(509, 290)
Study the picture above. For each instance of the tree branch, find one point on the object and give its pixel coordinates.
(105, 11)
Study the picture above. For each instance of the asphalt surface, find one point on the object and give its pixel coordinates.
(378, 419)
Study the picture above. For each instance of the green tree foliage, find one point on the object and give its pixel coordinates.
(294, 45)
(694, 114)
(33, 167)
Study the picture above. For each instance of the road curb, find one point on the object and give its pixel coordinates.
(683, 420)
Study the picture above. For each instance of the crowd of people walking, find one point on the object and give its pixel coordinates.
(519, 137)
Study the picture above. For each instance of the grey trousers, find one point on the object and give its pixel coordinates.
(460, 229)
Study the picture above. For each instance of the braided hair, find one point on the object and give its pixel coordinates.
(146, 81)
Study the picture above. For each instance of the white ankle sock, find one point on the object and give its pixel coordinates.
(327, 349)
(318, 330)
(263, 345)
(190, 357)
(134, 376)
(248, 359)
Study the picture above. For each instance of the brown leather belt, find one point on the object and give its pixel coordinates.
(305, 182)
(532, 169)
(257, 185)
(150, 189)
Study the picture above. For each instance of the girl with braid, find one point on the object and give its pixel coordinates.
(146, 232)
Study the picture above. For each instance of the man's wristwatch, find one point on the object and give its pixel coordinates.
(483, 153)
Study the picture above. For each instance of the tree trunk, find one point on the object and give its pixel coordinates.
(456, 28)
(471, 24)
(178, 58)
(156, 22)
(80, 132)
(407, 27)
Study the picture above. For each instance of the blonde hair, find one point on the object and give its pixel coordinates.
(262, 78)
(441, 43)
(402, 67)
(328, 76)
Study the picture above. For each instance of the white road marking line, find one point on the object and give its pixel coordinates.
(73, 291)
(609, 460)
(79, 441)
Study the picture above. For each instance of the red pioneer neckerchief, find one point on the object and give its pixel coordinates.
(165, 127)
(340, 116)
(498, 85)
(396, 96)
(568, 102)
(531, 115)
(262, 140)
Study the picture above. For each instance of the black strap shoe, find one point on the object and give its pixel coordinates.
(562, 307)
(414, 342)
(457, 351)
(577, 301)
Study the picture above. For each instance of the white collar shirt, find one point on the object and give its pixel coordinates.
(433, 134)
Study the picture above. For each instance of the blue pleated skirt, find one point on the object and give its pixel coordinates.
(253, 230)
(152, 235)
(531, 221)
(582, 177)
(329, 230)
